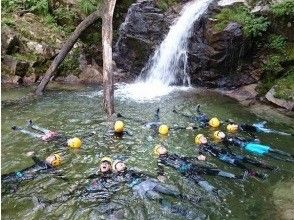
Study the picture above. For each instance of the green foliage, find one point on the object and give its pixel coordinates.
(165, 4)
(88, 6)
(284, 10)
(70, 63)
(272, 64)
(285, 87)
(277, 43)
(253, 26)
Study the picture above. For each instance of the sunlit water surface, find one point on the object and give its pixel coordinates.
(75, 113)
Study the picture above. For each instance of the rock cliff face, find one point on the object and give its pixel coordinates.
(142, 31)
(214, 57)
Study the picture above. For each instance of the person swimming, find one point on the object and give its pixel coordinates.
(227, 156)
(254, 128)
(201, 118)
(256, 148)
(39, 167)
(145, 186)
(47, 135)
(188, 169)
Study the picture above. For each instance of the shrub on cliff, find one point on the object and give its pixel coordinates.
(252, 25)
(284, 10)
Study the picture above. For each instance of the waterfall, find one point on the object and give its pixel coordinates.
(168, 65)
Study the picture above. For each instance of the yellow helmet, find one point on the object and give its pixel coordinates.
(106, 159)
(115, 163)
(219, 135)
(74, 142)
(232, 127)
(156, 148)
(197, 138)
(119, 127)
(214, 122)
(57, 160)
(163, 129)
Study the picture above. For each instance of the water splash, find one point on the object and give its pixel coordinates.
(168, 66)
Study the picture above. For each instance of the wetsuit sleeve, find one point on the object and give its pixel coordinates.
(160, 168)
(249, 128)
(36, 159)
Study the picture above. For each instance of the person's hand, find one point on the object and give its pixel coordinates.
(201, 158)
(30, 153)
(161, 178)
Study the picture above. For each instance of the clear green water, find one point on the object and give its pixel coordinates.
(75, 113)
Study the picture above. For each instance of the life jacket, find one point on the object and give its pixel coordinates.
(257, 149)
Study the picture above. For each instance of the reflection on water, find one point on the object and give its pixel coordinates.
(75, 113)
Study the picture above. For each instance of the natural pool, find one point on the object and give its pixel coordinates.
(77, 112)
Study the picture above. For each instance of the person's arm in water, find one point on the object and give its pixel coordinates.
(160, 170)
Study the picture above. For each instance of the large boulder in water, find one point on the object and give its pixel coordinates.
(142, 31)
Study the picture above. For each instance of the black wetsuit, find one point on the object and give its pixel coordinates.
(253, 147)
(11, 180)
(233, 159)
(190, 170)
(201, 118)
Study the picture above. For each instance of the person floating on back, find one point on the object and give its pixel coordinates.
(188, 169)
(254, 128)
(226, 156)
(255, 148)
(201, 118)
(48, 135)
(39, 167)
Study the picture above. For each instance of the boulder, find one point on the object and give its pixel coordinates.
(13, 66)
(91, 74)
(46, 51)
(270, 96)
(10, 42)
(142, 31)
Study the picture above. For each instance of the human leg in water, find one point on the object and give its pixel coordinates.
(275, 156)
(256, 163)
(250, 171)
(37, 128)
(203, 183)
(32, 134)
(283, 153)
(218, 172)
(261, 128)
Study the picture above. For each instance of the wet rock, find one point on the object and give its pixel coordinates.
(46, 51)
(28, 80)
(9, 41)
(143, 29)
(91, 74)
(270, 96)
(70, 79)
(246, 95)
(14, 67)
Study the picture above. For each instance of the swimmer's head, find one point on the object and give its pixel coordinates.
(163, 129)
(54, 160)
(159, 150)
(105, 165)
(232, 127)
(118, 166)
(74, 142)
(219, 135)
(200, 139)
(214, 122)
(119, 126)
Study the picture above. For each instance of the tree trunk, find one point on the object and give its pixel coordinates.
(108, 99)
(65, 49)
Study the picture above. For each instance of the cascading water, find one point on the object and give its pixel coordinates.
(167, 67)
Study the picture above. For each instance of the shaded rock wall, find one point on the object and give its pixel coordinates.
(213, 57)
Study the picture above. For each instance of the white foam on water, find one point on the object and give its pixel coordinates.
(142, 91)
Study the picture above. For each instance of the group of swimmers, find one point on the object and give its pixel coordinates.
(113, 173)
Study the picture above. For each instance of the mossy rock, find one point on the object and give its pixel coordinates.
(285, 87)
